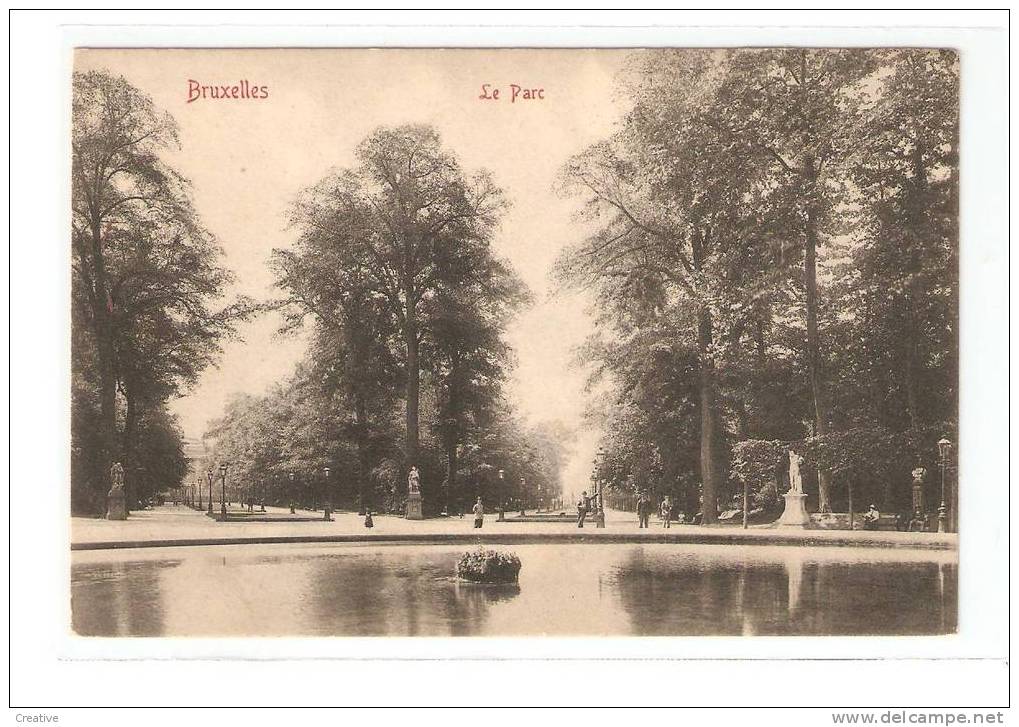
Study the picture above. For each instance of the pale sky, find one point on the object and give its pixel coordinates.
(248, 158)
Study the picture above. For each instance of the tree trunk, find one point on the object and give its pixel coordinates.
(102, 324)
(363, 462)
(699, 242)
(127, 452)
(911, 381)
(918, 217)
(413, 386)
(451, 465)
(760, 347)
(709, 429)
(813, 343)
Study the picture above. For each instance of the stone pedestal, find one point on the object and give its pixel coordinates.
(116, 504)
(414, 506)
(918, 504)
(795, 514)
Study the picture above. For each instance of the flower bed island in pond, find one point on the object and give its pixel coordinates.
(488, 566)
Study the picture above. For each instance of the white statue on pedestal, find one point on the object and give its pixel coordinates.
(795, 513)
(414, 495)
(795, 478)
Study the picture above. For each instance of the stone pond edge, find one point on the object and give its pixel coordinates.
(931, 542)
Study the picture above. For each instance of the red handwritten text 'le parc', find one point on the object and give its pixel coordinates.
(241, 90)
(517, 93)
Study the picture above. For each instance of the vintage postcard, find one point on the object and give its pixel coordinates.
(515, 342)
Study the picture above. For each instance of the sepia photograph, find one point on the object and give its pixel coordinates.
(494, 360)
(515, 342)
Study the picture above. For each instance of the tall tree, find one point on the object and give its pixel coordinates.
(465, 351)
(902, 290)
(415, 208)
(166, 331)
(117, 176)
(355, 339)
(680, 234)
(146, 272)
(801, 109)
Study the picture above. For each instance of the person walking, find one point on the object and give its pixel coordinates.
(667, 512)
(641, 510)
(479, 514)
(368, 522)
(582, 509)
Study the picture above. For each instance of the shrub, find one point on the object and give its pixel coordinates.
(758, 463)
(488, 566)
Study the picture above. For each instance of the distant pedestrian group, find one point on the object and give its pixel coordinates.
(645, 506)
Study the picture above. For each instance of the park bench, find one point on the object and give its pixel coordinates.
(840, 521)
(884, 521)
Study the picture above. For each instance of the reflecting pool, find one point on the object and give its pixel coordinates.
(582, 589)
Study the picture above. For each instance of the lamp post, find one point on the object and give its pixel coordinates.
(293, 509)
(209, 475)
(326, 505)
(944, 446)
(222, 498)
(599, 518)
(502, 504)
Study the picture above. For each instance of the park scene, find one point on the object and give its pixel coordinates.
(514, 342)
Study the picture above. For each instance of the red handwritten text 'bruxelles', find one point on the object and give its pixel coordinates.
(517, 93)
(241, 90)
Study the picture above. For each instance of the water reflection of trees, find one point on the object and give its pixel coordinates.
(850, 598)
(392, 595)
(675, 594)
(118, 599)
(660, 590)
(468, 608)
(666, 596)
